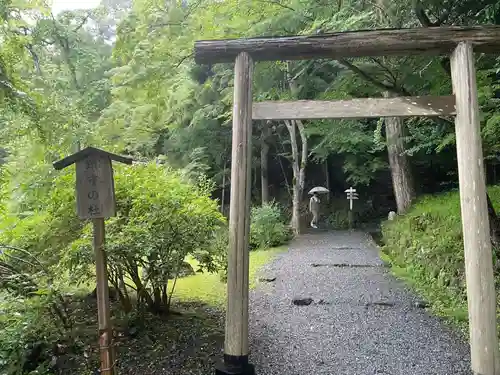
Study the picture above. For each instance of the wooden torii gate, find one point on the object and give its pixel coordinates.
(458, 42)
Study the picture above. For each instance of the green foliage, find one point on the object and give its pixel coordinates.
(338, 219)
(26, 325)
(267, 228)
(426, 247)
(33, 312)
(337, 212)
(47, 230)
(219, 248)
(161, 218)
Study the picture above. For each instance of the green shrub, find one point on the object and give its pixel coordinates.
(48, 229)
(28, 333)
(267, 227)
(426, 247)
(33, 312)
(161, 219)
(219, 248)
(337, 212)
(338, 220)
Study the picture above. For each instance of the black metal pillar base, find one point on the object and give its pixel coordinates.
(234, 365)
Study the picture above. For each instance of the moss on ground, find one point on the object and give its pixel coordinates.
(425, 248)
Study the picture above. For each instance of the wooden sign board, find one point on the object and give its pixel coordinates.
(95, 197)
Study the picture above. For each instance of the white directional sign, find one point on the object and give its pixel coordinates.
(351, 195)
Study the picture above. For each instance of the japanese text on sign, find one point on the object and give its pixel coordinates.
(94, 185)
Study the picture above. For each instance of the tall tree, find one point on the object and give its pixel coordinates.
(402, 176)
(399, 161)
(264, 161)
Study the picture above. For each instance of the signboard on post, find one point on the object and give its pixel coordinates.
(351, 196)
(95, 199)
(95, 196)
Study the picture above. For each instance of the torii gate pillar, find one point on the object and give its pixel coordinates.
(236, 340)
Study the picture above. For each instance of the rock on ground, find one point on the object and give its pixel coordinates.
(368, 323)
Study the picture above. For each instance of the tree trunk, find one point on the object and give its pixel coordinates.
(402, 177)
(264, 161)
(142, 292)
(327, 179)
(278, 158)
(156, 307)
(223, 199)
(122, 288)
(494, 224)
(298, 167)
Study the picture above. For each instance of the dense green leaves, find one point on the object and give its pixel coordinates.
(267, 227)
(161, 218)
(122, 76)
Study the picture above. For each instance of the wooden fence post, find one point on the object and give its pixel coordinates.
(477, 245)
(236, 339)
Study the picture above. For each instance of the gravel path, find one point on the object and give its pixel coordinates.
(347, 332)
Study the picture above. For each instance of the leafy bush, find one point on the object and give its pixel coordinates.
(28, 333)
(33, 313)
(219, 247)
(337, 211)
(45, 231)
(267, 227)
(161, 218)
(338, 219)
(426, 247)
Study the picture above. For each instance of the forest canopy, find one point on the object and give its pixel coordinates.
(122, 77)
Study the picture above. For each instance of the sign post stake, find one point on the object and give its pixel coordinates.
(351, 195)
(95, 200)
(107, 354)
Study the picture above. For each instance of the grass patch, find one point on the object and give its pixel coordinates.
(425, 249)
(209, 289)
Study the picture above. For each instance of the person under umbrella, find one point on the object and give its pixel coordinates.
(314, 208)
(314, 203)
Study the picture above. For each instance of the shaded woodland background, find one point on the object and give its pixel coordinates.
(122, 77)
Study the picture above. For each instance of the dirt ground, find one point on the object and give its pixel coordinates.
(188, 341)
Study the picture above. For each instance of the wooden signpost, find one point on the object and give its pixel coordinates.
(95, 199)
(351, 195)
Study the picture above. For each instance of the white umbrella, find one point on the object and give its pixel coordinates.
(319, 190)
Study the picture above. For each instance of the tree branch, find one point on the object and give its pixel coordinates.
(424, 18)
(278, 3)
(84, 20)
(386, 69)
(367, 77)
(392, 89)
